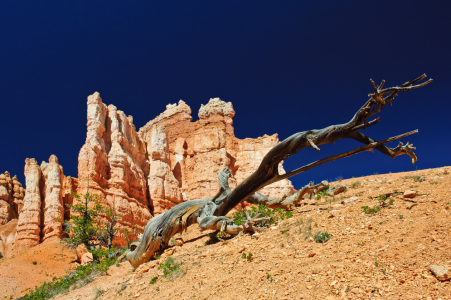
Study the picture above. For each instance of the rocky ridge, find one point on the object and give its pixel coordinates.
(169, 160)
(39, 216)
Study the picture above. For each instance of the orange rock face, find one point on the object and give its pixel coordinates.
(53, 194)
(168, 161)
(7, 236)
(189, 155)
(11, 198)
(114, 159)
(41, 216)
(29, 224)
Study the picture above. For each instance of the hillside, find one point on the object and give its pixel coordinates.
(384, 255)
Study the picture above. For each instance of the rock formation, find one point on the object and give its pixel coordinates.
(53, 194)
(29, 224)
(114, 159)
(169, 160)
(11, 198)
(188, 155)
(7, 236)
(41, 216)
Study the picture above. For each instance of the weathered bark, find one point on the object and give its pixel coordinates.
(209, 213)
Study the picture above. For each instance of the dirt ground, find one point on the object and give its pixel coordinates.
(385, 255)
(34, 267)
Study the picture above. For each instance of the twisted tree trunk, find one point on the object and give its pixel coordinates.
(210, 213)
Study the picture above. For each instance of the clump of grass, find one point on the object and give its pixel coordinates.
(418, 178)
(239, 217)
(269, 277)
(35, 263)
(80, 277)
(247, 257)
(322, 237)
(169, 267)
(382, 203)
(371, 210)
(154, 280)
(356, 184)
(305, 228)
(320, 194)
(99, 292)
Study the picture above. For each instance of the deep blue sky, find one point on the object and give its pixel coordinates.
(287, 66)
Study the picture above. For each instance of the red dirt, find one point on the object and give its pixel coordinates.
(34, 267)
(386, 255)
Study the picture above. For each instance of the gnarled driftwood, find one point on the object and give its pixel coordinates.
(210, 213)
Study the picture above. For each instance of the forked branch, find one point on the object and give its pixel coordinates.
(209, 213)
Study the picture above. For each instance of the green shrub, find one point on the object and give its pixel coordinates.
(247, 257)
(371, 210)
(169, 267)
(322, 237)
(154, 280)
(239, 217)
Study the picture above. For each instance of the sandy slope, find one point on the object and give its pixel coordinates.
(34, 267)
(385, 256)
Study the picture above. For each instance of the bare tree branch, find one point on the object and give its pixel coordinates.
(209, 213)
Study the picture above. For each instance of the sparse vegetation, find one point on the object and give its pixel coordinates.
(154, 280)
(320, 194)
(382, 203)
(400, 216)
(35, 263)
(322, 237)
(261, 210)
(169, 267)
(305, 228)
(416, 178)
(247, 257)
(371, 210)
(356, 184)
(99, 292)
(269, 277)
(80, 277)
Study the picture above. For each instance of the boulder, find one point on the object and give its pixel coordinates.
(440, 272)
(410, 194)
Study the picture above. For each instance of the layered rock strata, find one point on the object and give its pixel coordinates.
(48, 190)
(114, 160)
(169, 160)
(53, 213)
(11, 198)
(195, 152)
(29, 224)
(7, 236)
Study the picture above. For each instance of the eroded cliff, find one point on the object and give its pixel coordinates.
(169, 160)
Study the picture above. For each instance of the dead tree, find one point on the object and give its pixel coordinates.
(111, 224)
(210, 213)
